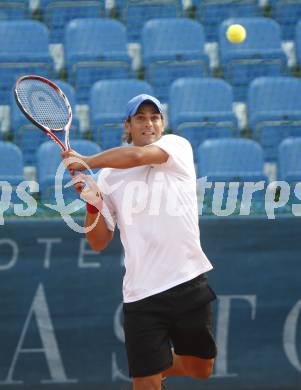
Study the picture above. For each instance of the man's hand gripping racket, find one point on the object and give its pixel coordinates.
(88, 190)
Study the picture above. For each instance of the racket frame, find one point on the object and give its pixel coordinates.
(45, 129)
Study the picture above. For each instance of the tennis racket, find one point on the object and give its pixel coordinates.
(45, 105)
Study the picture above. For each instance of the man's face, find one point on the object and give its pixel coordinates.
(146, 126)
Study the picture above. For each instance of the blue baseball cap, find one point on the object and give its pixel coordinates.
(135, 103)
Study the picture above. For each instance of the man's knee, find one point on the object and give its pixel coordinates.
(152, 382)
(199, 368)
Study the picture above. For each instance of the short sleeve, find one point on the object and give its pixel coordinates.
(180, 154)
(108, 210)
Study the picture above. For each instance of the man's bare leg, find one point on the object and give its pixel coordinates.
(192, 366)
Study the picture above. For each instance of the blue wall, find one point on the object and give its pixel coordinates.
(60, 320)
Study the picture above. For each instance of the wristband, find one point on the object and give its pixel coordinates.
(91, 209)
(94, 209)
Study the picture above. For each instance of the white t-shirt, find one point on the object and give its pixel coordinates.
(155, 208)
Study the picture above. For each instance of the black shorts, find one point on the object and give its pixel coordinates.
(180, 317)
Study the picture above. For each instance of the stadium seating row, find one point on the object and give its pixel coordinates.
(96, 49)
(134, 13)
(220, 160)
(198, 109)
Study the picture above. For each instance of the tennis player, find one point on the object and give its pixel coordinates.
(149, 190)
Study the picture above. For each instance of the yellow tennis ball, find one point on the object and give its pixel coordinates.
(236, 33)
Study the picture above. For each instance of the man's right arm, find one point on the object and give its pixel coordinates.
(100, 236)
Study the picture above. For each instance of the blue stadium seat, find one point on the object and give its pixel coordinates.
(259, 55)
(13, 9)
(200, 109)
(138, 12)
(11, 166)
(48, 160)
(212, 13)
(274, 111)
(108, 100)
(169, 52)
(231, 159)
(95, 49)
(289, 160)
(228, 161)
(23, 50)
(28, 137)
(57, 14)
(287, 13)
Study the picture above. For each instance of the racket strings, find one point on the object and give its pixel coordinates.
(43, 103)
